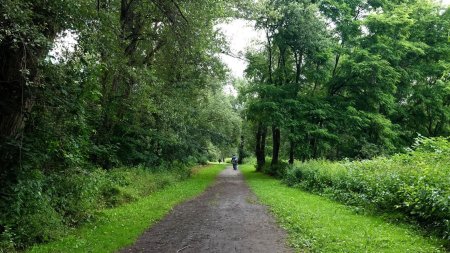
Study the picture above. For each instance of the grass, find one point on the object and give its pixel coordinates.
(414, 185)
(124, 185)
(317, 224)
(119, 227)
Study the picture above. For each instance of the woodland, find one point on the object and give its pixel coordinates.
(349, 98)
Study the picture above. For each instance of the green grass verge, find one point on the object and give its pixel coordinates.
(119, 227)
(317, 224)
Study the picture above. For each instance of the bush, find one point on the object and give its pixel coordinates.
(30, 217)
(250, 160)
(415, 184)
(128, 184)
(203, 160)
(43, 207)
(74, 194)
(279, 170)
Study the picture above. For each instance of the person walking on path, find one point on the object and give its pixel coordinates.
(234, 161)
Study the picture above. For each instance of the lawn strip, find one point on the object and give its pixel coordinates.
(317, 224)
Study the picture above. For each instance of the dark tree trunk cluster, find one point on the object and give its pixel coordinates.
(276, 137)
(19, 80)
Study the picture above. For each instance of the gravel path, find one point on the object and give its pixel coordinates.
(225, 218)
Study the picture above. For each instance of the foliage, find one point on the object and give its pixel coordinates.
(339, 79)
(121, 226)
(415, 184)
(277, 171)
(44, 207)
(142, 88)
(316, 224)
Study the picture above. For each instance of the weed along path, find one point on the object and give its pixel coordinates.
(225, 218)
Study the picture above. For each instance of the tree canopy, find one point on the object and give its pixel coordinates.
(354, 79)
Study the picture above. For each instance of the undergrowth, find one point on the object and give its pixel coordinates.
(45, 207)
(118, 227)
(318, 224)
(415, 185)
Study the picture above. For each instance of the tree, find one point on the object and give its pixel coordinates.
(359, 87)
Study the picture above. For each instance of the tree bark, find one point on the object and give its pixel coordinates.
(298, 66)
(263, 145)
(260, 147)
(291, 151)
(18, 78)
(241, 154)
(269, 50)
(313, 144)
(336, 62)
(276, 137)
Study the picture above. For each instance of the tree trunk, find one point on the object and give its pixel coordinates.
(269, 50)
(241, 154)
(291, 152)
(314, 147)
(336, 62)
(18, 73)
(263, 145)
(276, 137)
(298, 66)
(260, 147)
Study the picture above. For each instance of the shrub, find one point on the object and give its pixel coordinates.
(30, 217)
(415, 184)
(43, 207)
(279, 170)
(74, 194)
(203, 160)
(250, 160)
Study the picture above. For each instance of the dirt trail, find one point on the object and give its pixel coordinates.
(225, 218)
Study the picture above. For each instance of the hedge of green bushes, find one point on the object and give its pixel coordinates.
(415, 184)
(46, 206)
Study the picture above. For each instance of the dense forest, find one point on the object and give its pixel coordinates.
(143, 88)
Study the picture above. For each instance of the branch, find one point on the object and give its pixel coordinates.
(179, 10)
(234, 56)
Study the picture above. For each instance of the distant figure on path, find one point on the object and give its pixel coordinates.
(234, 161)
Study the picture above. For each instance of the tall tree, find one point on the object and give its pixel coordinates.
(349, 78)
